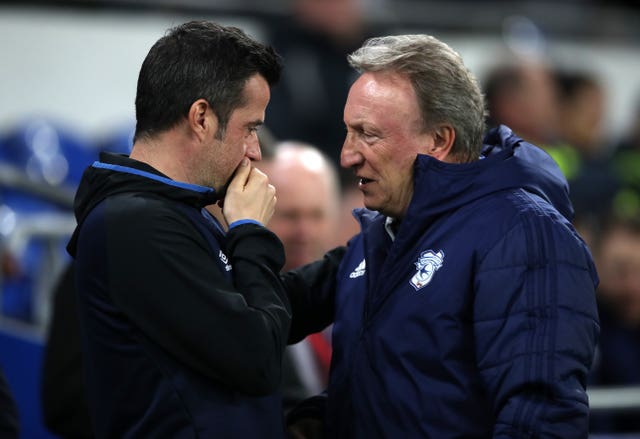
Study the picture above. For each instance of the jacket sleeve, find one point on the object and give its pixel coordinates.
(311, 290)
(536, 328)
(166, 282)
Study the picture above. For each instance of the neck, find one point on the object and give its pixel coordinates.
(163, 153)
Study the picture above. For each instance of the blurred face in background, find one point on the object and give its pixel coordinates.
(539, 100)
(340, 20)
(582, 119)
(527, 102)
(619, 271)
(306, 214)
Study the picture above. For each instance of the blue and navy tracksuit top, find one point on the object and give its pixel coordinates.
(183, 325)
(478, 320)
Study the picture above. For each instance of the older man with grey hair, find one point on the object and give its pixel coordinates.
(465, 308)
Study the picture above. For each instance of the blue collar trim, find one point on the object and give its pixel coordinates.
(165, 180)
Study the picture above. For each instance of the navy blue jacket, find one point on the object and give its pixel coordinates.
(479, 320)
(183, 326)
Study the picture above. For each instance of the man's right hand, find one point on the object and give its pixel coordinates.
(249, 195)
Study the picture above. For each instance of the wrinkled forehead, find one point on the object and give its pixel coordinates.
(384, 85)
(382, 97)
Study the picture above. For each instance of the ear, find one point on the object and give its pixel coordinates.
(202, 120)
(443, 138)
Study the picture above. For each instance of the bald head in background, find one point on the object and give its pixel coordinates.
(308, 207)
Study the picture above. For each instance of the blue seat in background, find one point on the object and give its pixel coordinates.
(47, 153)
(21, 361)
(49, 161)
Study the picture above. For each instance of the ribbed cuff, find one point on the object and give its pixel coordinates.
(244, 221)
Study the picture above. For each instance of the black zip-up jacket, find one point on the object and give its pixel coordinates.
(183, 325)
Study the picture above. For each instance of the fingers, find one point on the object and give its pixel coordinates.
(264, 195)
(256, 178)
(259, 182)
(241, 175)
(272, 204)
(249, 196)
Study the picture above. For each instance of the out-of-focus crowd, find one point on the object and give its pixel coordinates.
(559, 110)
(563, 112)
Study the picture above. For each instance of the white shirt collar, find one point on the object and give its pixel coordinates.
(389, 226)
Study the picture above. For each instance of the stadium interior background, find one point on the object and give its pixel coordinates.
(68, 72)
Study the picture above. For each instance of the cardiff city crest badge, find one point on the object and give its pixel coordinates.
(427, 264)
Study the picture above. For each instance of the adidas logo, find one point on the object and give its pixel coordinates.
(359, 271)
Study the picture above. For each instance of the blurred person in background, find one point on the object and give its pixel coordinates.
(9, 421)
(183, 325)
(592, 180)
(306, 216)
(563, 113)
(466, 305)
(522, 94)
(582, 109)
(63, 396)
(618, 359)
(314, 42)
(626, 163)
(306, 220)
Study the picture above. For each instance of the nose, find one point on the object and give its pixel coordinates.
(349, 156)
(253, 148)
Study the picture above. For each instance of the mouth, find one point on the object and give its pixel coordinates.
(363, 181)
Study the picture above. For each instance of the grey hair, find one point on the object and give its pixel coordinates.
(447, 91)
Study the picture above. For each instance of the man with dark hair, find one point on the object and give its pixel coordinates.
(183, 324)
(465, 308)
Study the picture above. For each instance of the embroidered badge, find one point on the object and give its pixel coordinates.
(359, 271)
(427, 265)
(225, 261)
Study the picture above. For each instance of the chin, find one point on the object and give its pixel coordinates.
(375, 206)
(371, 204)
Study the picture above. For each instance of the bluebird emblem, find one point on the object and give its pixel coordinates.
(426, 266)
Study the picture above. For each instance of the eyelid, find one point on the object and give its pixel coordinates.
(362, 132)
(369, 136)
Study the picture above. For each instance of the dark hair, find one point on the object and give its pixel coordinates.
(570, 84)
(501, 81)
(199, 60)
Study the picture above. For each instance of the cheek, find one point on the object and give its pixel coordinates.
(401, 167)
